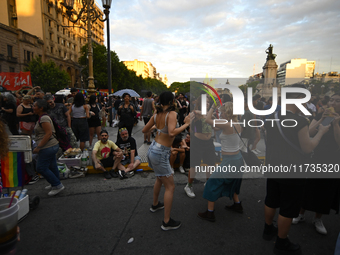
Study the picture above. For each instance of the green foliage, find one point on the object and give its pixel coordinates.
(180, 87)
(317, 87)
(47, 75)
(121, 76)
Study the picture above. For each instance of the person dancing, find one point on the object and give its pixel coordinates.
(165, 120)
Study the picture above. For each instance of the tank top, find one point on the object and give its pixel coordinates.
(94, 109)
(27, 118)
(147, 107)
(78, 112)
(230, 143)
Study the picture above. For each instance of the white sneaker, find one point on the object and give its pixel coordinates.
(48, 187)
(55, 191)
(320, 228)
(189, 191)
(181, 169)
(300, 218)
(172, 170)
(258, 151)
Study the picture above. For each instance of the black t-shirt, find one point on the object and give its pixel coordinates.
(117, 103)
(10, 117)
(327, 151)
(278, 151)
(127, 146)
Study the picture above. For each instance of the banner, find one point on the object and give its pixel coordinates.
(14, 81)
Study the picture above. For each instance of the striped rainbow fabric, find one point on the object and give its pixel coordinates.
(13, 170)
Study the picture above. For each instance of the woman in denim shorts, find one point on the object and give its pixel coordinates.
(165, 120)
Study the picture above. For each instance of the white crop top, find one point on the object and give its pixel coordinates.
(230, 143)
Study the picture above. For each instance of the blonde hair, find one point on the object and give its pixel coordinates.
(227, 109)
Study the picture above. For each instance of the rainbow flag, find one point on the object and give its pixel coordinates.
(13, 169)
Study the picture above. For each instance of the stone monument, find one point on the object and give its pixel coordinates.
(269, 75)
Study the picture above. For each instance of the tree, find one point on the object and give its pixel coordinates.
(47, 75)
(122, 77)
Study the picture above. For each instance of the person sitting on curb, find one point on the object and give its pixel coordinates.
(129, 148)
(177, 150)
(102, 156)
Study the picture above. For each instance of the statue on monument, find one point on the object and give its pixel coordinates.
(269, 51)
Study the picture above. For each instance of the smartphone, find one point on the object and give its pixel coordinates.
(327, 121)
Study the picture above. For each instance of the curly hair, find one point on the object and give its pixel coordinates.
(4, 140)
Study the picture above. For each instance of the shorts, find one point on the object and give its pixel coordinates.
(94, 122)
(28, 126)
(146, 120)
(202, 150)
(80, 129)
(159, 159)
(284, 196)
(128, 161)
(106, 162)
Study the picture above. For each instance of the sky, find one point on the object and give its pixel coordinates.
(224, 39)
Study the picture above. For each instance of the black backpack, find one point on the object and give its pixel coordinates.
(60, 134)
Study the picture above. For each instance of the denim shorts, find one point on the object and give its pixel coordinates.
(159, 159)
(128, 161)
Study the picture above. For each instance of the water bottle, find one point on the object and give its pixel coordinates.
(87, 157)
(23, 194)
(83, 159)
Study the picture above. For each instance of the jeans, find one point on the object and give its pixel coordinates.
(159, 159)
(47, 165)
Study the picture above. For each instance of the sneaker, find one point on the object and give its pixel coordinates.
(148, 143)
(255, 152)
(114, 174)
(55, 190)
(181, 169)
(122, 174)
(284, 246)
(269, 232)
(107, 175)
(34, 179)
(209, 216)
(75, 174)
(155, 208)
(258, 151)
(237, 207)
(300, 218)
(320, 228)
(130, 174)
(189, 191)
(145, 141)
(48, 187)
(172, 170)
(172, 224)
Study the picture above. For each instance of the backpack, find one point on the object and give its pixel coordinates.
(60, 134)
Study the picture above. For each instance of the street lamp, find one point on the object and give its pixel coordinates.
(87, 13)
(107, 6)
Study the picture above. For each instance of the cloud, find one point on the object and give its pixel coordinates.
(184, 38)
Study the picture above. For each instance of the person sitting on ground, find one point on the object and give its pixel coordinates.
(129, 148)
(177, 151)
(102, 156)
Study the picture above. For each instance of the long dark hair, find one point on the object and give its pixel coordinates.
(92, 99)
(79, 100)
(166, 98)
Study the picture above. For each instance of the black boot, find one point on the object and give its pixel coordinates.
(207, 216)
(285, 247)
(237, 207)
(269, 232)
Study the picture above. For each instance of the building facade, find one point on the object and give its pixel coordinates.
(57, 38)
(295, 70)
(145, 69)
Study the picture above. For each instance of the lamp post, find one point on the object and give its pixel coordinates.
(107, 5)
(87, 13)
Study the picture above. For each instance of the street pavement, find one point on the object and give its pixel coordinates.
(98, 216)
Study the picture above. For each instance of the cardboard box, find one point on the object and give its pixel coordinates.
(76, 161)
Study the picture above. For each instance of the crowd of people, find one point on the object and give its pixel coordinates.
(168, 119)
